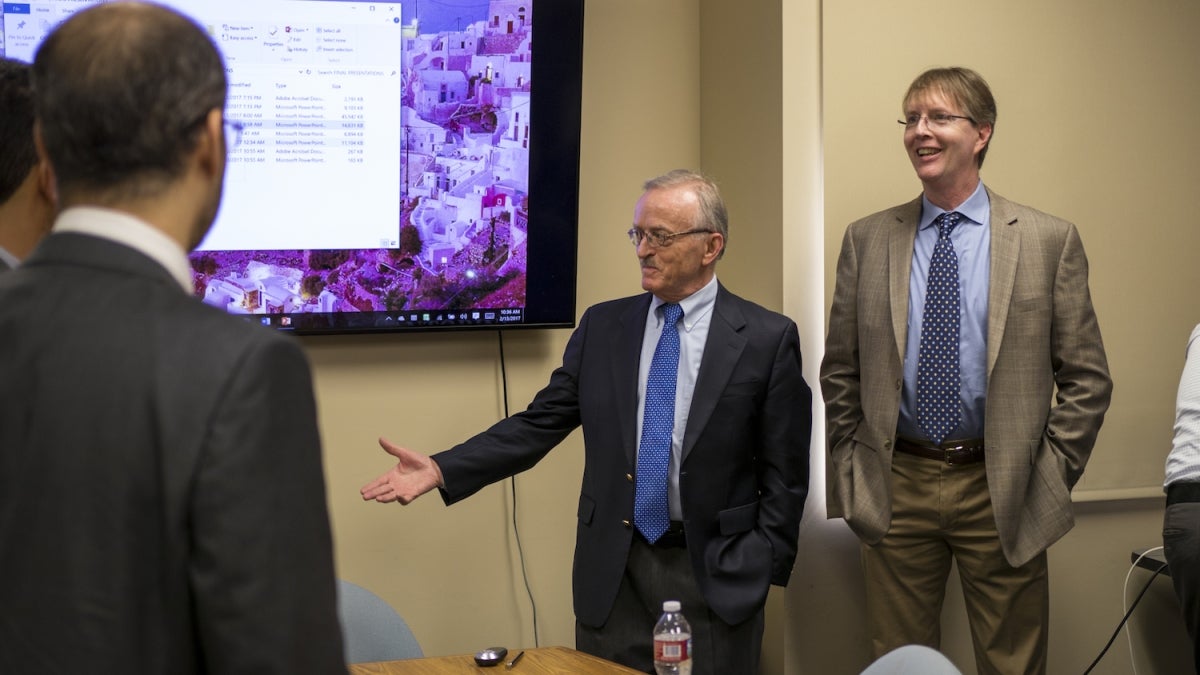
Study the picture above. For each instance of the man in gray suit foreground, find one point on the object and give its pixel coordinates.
(162, 501)
(26, 185)
(965, 382)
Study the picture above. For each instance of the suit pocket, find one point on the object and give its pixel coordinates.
(862, 489)
(738, 519)
(1034, 304)
(743, 388)
(587, 509)
(864, 441)
(843, 456)
(1051, 467)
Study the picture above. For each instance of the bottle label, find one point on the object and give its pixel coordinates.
(672, 651)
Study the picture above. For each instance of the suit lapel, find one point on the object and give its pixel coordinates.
(900, 253)
(1006, 249)
(722, 350)
(625, 363)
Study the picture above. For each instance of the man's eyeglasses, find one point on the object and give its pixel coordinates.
(659, 238)
(233, 134)
(933, 120)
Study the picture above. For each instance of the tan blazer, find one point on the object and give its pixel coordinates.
(1042, 334)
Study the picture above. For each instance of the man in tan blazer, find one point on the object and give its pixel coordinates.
(982, 474)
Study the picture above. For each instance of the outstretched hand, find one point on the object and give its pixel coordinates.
(414, 475)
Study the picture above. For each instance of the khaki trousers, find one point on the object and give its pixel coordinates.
(942, 513)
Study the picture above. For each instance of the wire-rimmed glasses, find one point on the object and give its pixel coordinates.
(937, 119)
(659, 238)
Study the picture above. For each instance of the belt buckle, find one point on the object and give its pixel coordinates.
(947, 454)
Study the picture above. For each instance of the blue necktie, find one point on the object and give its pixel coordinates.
(650, 511)
(937, 359)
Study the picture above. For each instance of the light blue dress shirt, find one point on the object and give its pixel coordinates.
(693, 334)
(972, 244)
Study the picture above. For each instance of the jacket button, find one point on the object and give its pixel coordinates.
(627, 524)
(899, 384)
(629, 477)
(887, 445)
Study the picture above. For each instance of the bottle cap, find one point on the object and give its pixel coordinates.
(671, 606)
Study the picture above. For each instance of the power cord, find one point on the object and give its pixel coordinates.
(513, 487)
(1129, 611)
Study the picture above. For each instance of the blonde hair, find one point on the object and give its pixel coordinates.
(966, 88)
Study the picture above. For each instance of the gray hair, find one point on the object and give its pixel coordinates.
(712, 215)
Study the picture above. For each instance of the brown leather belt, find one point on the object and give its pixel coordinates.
(954, 453)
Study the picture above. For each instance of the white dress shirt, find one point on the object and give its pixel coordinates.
(1183, 464)
(132, 232)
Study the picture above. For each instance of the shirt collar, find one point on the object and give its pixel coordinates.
(9, 258)
(135, 233)
(974, 210)
(695, 306)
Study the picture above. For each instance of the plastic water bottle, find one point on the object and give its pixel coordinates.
(672, 642)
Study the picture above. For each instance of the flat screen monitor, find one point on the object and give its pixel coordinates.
(402, 166)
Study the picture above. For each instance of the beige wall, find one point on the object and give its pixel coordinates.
(1096, 101)
(1097, 107)
(789, 105)
(453, 572)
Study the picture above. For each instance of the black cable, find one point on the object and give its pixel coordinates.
(513, 486)
(503, 372)
(1125, 618)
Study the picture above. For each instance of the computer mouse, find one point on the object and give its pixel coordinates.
(490, 656)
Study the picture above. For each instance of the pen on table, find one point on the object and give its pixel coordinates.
(516, 658)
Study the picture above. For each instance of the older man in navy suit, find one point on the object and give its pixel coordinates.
(694, 494)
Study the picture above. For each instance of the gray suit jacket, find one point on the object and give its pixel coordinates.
(1042, 335)
(162, 501)
(744, 473)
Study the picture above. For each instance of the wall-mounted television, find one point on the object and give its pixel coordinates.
(403, 166)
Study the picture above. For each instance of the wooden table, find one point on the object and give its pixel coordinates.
(540, 661)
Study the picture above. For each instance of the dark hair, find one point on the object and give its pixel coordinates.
(17, 154)
(965, 87)
(712, 215)
(122, 90)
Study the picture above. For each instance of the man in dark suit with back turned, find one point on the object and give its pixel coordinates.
(162, 502)
(26, 185)
(717, 465)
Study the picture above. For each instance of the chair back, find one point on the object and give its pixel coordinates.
(912, 660)
(371, 629)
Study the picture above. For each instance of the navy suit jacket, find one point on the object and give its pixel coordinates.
(744, 470)
(162, 501)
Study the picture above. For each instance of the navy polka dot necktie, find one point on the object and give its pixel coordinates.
(937, 359)
(651, 514)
